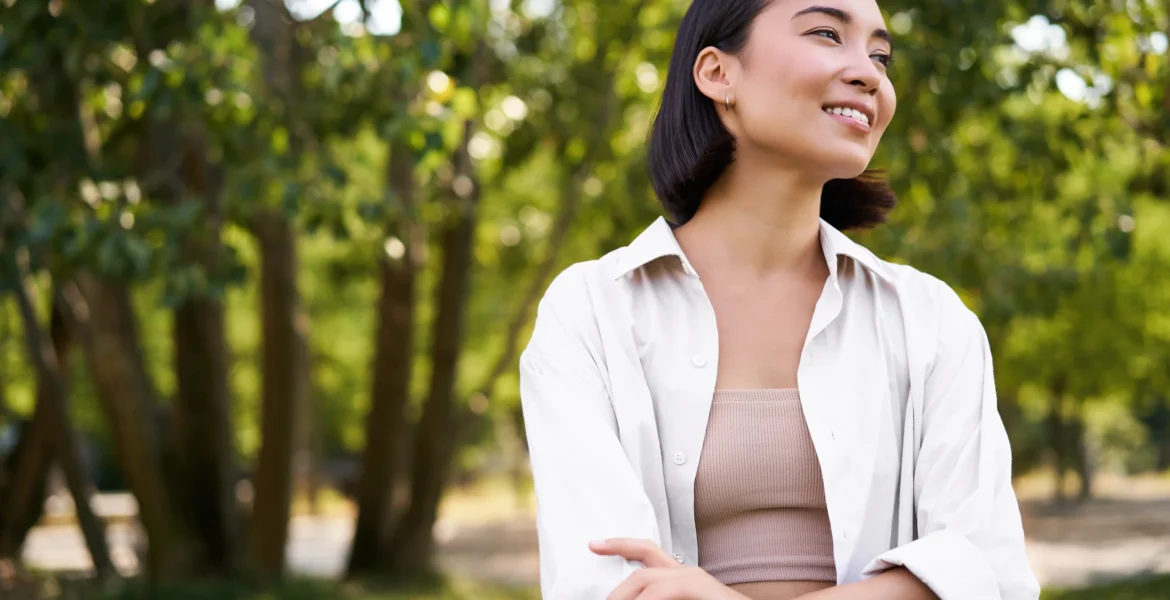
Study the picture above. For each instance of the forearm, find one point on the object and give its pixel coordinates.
(895, 584)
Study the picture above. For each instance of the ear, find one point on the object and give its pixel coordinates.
(715, 73)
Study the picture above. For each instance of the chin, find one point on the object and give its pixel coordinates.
(840, 159)
(842, 166)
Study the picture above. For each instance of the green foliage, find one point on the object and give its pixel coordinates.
(1032, 176)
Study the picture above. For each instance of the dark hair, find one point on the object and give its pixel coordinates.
(689, 146)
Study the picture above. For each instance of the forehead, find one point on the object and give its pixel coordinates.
(865, 13)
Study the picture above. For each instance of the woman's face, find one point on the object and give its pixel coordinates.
(811, 85)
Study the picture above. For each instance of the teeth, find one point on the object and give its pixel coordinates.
(848, 112)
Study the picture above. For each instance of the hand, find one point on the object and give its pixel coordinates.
(663, 578)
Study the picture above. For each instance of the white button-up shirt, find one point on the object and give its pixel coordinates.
(895, 381)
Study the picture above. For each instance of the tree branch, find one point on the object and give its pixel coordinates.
(571, 193)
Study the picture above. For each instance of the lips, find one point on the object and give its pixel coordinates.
(848, 112)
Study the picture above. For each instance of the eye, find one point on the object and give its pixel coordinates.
(827, 33)
(885, 60)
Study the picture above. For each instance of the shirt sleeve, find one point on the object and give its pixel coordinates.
(585, 487)
(970, 543)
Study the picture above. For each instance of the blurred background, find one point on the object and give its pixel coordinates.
(267, 266)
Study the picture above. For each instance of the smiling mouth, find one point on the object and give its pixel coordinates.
(850, 113)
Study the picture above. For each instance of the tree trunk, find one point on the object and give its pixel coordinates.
(101, 312)
(285, 349)
(26, 482)
(25, 470)
(204, 434)
(1160, 429)
(390, 396)
(1056, 442)
(282, 390)
(306, 460)
(1012, 416)
(434, 451)
(49, 358)
(202, 409)
(314, 449)
(5, 334)
(1082, 454)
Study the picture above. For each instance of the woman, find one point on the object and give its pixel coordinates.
(747, 404)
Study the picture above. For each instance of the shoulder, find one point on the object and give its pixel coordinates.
(932, 310)
(574, 291)
(935, 315)
(919, 292)
(923, 290)
(567, 297)
(580, 302)
(568, 310)
(571, 292)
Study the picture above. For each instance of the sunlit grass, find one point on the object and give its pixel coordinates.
(1153, 588)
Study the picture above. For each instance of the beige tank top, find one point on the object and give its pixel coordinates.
(760, 508)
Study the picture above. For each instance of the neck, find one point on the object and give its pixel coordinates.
(763, 219)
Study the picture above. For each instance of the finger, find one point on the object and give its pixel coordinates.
(637, 583)
(664, 590)
(645, 551)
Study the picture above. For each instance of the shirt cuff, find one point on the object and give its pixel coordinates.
(946, 562)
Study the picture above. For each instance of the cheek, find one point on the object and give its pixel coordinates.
(780, 98)
(888, 103)
(774, 80)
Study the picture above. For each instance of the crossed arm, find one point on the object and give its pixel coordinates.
(665, 579)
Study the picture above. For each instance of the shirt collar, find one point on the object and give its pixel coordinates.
(658, 241)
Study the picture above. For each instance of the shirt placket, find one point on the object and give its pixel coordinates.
(698, 362)
(818, 396)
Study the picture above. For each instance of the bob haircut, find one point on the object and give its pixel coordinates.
(690, 148)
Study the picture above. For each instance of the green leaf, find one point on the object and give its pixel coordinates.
(431, 53)
(336, 174)
(108, 259)
(464, 103)
(185, 214)
(440, 17)
(137, 254)
(46, 221)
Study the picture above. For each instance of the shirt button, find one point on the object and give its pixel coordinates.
(679, 458)
(698, 360)
(679, 557)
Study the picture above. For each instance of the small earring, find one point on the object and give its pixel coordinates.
(727, 103)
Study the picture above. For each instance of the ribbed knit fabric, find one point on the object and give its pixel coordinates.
(759, 497)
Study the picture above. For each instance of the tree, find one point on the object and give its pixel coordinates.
(47, 357)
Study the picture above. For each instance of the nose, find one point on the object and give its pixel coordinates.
(863, 73)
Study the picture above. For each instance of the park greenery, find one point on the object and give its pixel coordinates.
(242, 243)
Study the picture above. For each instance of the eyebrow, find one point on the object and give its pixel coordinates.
(843, 17)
